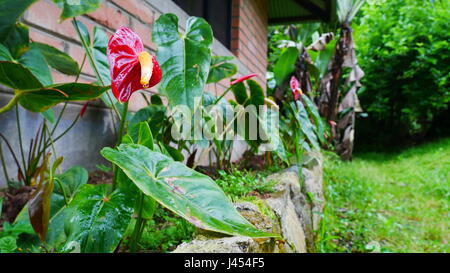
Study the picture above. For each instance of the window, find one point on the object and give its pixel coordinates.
(216, 12)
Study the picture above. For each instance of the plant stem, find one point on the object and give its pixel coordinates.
(136, 236)
(13, 155)
(10, 104)
(5, 171)
(221, 96)
(119, 140)
(22, 154)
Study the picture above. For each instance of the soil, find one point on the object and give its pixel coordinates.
(100, 177)
(15, 200)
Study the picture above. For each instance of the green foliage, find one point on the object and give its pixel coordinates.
(285, 64)
(41, 99)
(404, 50)
(238, 184)
(72, 8)
(172, 184)
(57, 59)
(95, 219)
(184, 59)
(398, 201)
(221, 69)
(165, 231)
(10, 11)
(8, 244)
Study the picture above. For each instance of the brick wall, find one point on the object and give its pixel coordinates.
(249, 34)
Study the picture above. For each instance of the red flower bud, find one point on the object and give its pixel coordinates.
(83, 109)
(296, 91)
(131, 67)
(241, 79)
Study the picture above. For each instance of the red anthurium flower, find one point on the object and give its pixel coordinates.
(131, 67)
(296, 91)
(241, 79)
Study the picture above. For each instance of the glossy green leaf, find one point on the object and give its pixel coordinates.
(17, 76)
(57, 59)
(10, 11)
(18, 40)
(285, 64)
(5, 55)
(99, 49)
(41, 99)
(71, 181)
(33, 60)
(154, 114)
(319, 127)
(240, 93)
(174, 153)
(95, 220)
(141, 134)
(156, 100)
(8, 244)
(184, 59)
(324, 57)
(269, 125)
(190, 194)
(256, 93)
(305, 124)
(221, 69)
(73, 8)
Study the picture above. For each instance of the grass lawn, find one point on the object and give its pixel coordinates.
(388, 202)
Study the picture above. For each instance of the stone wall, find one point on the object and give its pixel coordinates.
(293, 211)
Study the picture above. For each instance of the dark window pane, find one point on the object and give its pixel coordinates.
(216, 12)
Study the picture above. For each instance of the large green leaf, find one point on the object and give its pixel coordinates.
(240, 92)
(72, 8)
(39, 100)
(323, 57)
(155, 115)
(256, 93)
(95, 220)
(184, 59)
(192, 195)
(34, 61)
(10, 11)
(285, 64)
(57, 59)
(18, 40)
(305, 124)
(270, 129)
(312, 110)
(221, 69)
(16, 76)
(5, 55)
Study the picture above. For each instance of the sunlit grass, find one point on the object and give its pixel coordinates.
(391, 202)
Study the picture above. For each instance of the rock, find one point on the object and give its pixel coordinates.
(235, 244)
(281, 203)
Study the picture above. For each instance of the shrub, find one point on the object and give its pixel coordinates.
(404, 51)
